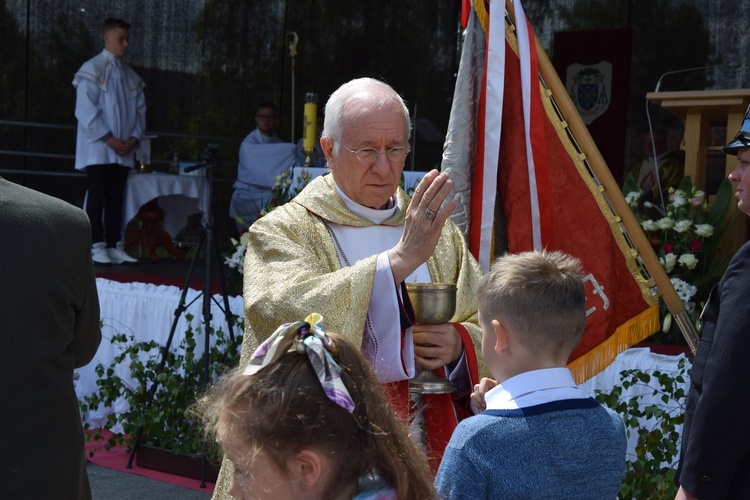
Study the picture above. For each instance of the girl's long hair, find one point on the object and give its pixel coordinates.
(282, 409)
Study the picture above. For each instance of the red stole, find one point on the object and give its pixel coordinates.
(442, 412)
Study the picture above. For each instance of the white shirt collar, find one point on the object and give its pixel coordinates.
(116, 61)
(533, 388)
(374, 215)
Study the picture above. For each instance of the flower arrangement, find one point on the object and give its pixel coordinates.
(285, 188)
(685, 235)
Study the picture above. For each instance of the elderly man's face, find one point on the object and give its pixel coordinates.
(741, 177)
(370, 185)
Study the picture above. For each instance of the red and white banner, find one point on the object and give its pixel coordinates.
(527, 172)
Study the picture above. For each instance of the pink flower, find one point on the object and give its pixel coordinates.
(696, 245)
(668, 247)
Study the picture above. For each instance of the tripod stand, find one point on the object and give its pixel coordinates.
(212, 255)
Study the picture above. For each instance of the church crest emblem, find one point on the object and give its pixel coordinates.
(590, 88)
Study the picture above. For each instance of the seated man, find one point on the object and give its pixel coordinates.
(255, 179)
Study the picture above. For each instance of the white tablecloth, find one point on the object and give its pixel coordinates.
(146, 312)
(178, 195)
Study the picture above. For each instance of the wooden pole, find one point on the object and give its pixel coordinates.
(612, 189)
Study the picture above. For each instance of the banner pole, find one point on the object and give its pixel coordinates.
(614, 194)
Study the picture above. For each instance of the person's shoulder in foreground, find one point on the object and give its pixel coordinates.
(537, 434)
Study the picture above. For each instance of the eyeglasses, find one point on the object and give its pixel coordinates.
(371, 155)
(264, 117)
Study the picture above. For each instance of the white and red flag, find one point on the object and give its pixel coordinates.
(524, 183)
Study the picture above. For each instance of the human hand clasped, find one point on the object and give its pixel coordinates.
(121, 147)
(477, 402)
(436, 345)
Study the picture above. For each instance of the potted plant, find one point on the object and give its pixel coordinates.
(164, 418)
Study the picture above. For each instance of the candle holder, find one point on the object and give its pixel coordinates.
(434, 303)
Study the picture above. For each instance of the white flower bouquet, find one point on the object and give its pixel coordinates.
(685, 235)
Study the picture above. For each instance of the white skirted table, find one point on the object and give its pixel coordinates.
(145, 311)
(178, 195)
(643, 359)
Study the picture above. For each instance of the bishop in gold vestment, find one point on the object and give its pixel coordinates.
(347, 243)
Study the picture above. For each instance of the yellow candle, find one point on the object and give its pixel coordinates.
(309, 134)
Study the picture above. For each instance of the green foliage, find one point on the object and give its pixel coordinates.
(166, 421)
(650, 473)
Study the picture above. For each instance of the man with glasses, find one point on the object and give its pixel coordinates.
(345, 246)
(715, 455)
(266, 121)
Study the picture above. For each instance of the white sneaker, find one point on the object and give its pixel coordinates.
(119, 256)
(99, 254)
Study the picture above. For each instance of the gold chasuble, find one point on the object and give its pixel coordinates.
(292, 269)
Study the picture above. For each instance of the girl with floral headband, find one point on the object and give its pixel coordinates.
(307, 419)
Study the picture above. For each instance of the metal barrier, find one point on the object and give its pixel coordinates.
(159, 164)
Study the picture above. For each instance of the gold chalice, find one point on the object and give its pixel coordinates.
(434, 303)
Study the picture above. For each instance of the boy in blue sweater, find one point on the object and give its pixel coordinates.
(537, 435)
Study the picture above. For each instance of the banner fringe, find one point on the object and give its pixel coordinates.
(629, 333)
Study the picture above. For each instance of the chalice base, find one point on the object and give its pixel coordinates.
(427, 382)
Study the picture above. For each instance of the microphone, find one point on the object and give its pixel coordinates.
(658, 83)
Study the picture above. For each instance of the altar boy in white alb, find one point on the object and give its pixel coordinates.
(111, 114)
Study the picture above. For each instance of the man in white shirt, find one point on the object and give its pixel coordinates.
(257, 167)
(111, 114)
(266, 121)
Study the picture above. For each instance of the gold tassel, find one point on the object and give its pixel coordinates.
(631, 332)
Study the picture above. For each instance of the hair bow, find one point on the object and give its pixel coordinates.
(305, 337)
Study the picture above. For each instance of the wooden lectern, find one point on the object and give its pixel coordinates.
(700, 110)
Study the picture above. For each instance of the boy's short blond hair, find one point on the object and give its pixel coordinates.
(540, 296)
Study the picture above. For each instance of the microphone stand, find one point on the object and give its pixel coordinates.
(212, 252)
(663, 207)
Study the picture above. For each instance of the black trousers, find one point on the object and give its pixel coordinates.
(106, 193)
